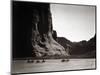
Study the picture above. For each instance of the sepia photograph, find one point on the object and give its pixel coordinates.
(52, 37)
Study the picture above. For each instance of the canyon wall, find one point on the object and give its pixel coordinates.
(33, 34)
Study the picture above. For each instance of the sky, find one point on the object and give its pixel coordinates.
(73, 22)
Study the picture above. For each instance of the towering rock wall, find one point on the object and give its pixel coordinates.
(33, 33)
(43, 42)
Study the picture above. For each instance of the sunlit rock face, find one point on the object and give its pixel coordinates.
(43, 36)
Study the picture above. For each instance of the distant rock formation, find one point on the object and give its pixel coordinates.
(82, 49)
(63, 41)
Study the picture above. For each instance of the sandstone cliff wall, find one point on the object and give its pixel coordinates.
(33, 33)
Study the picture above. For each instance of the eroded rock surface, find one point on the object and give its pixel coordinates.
(43, 42)
(33, 34)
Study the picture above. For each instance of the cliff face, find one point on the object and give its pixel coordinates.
(43, 42)
(33, 33)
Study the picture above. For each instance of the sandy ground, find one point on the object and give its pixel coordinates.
(21, 66)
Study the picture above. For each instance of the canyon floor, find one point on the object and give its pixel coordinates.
(22, 66)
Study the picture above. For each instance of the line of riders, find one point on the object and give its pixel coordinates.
(43, 60)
